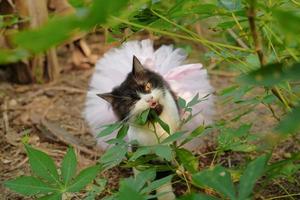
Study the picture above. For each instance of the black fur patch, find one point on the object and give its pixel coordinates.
(125, 96)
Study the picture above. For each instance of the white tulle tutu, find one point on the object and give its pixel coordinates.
(185, 80)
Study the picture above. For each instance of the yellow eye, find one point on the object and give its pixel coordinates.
(148, 87)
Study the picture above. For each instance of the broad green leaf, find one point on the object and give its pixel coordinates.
(288, 25)
(187, 159)
(77, 3)
(291, 123)
(35, 40)
(129, 191)
(173, 137)
(85, 177)
(140, 152)
(42, 165)
(156, 184)
(113, 156)
(68, 167)
(252, 173)
(164, 125)
(194, 196)
(28, 185)
(272, 74)
(143, 117)
(194, 101)
(123, 131)
(163, 151)
(181, 103)
(12, 55)
(217, 178)
(54, 196)
(109, 129)
(286, 167)
(143, 177)
(98, 13)
(195, 133)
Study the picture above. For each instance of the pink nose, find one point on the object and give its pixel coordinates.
(153, 104)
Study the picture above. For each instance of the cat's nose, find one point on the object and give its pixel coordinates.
(150, 99)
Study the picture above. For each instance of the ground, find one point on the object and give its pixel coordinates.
(49, 116)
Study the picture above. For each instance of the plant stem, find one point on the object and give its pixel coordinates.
(259, 50)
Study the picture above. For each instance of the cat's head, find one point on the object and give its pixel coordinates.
(142, 89)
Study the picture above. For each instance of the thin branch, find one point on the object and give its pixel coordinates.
(259, 50)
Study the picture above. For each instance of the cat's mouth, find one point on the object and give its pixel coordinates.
(157, 108)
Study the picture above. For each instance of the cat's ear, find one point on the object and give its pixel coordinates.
(107, 97)
(137, 67)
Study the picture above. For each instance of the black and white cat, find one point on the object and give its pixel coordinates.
(128, 87)
(144, 89)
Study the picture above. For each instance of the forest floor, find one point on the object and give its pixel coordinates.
(49, 116)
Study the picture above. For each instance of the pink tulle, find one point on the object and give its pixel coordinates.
(185, 80)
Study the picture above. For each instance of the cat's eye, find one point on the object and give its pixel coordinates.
(148, 87)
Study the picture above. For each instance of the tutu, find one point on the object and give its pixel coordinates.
(186, 80)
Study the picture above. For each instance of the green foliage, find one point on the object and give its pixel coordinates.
(231, 47)
(217, 178)
(252, 173)
(46, 182)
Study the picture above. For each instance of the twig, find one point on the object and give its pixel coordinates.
(237, 39)
(255, 35)
(259, 50)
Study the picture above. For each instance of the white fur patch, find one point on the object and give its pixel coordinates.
(145, 135)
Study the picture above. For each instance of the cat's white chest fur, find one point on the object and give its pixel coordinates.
(145, 135)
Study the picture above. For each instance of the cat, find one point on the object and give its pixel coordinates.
(144, 89)
(141, 90)
(133, 78)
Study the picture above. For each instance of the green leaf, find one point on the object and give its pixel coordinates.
(54, 196)
(142, 118)
(143, 177)
(123, 131)
(109, 129)
(173, 137)
(140, 152)
(288, 25)
(181, 102)
(68, 167)
(113, 156)
(42, 165)
(194, 101)
(156, 184)
(217, 178)
(195, 133)
(164, 125)
(28, 185)
(291, 123)
(187, 159)
(252, 173)
(83, 178)
(272, 74)
(98, 13)
(129, 191)
(164, 151)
